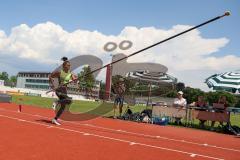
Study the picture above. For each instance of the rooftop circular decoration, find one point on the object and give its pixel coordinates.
(124, 45)
(110, 46)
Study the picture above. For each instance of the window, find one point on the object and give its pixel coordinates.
(37, 81)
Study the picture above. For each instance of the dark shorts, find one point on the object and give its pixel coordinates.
(119, 101)
(62, 96)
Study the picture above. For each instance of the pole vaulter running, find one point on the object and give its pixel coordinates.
(227, 13)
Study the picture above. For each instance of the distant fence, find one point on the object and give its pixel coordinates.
(5, 98)
(32, 94)
(14, 93)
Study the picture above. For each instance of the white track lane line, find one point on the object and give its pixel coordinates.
(133, 133)
(113, 139)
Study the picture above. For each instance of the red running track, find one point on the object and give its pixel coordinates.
(30, 135)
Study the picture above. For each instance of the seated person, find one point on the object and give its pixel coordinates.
(222, 101)
(218, 107)
(202, 105)
(179, 102)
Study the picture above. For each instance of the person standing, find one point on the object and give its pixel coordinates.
(179, 102)
(119, 90)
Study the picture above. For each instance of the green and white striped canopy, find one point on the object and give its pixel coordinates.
(228, 81)
(153, 77)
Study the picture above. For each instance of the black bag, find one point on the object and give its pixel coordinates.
(136, 117)
(235, 130)
(147, 112)
(231, 129)
(128, 114)
(129, 111)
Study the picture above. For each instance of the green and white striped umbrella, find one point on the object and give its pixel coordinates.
(153, 77)
(228, 81)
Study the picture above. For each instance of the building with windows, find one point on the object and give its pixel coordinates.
(33, 80)
(40, 81)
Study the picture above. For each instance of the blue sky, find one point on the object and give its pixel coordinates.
(110, 17)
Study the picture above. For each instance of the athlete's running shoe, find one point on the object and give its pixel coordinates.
(54, 121)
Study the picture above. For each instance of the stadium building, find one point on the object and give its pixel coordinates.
(33, 80)
(40, 81)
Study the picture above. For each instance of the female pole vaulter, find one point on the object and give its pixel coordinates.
(64, 77)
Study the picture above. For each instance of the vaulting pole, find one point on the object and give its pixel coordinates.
(227, 13)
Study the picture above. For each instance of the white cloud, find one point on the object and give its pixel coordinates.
(189, 54)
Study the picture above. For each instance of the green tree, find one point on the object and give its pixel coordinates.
(171, 94)
(4, 76)
(212, 97)
(162, 89)
(102, 90)
(129, 83)
(13, 81)
(180, 86)
(13, 78)
(237, 101)
(87, 80)
(139, 89)
(191, 94)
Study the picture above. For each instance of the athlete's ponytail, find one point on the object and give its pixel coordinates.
(64, 59)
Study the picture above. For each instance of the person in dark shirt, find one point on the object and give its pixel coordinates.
(119, 90)
(221, 100)
(201, 104)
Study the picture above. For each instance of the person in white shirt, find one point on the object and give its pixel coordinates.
(179, 102)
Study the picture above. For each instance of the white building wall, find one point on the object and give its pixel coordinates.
(22, 80)
(5, 89)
